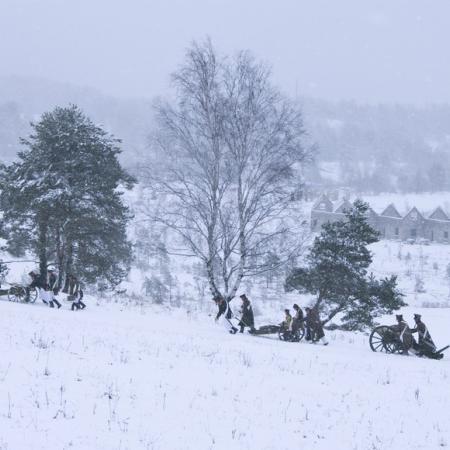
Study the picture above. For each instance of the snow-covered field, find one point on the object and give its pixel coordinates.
(134, 378)
(118, 376)
(413, 264)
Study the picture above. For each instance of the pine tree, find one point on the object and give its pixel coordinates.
(62, 200)
(337, 272)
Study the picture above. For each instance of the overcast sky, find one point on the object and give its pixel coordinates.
(376, 51)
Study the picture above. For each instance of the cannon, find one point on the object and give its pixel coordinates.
(20, 293)
(283, 334)
(384, 339)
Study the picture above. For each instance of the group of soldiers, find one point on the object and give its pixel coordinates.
(225, 314)
(309, 322)
(47, 288)
(424, 346)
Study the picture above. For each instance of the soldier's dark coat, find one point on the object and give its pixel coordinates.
(425, 341)
(404, 332)
(314, 323)
(297, 321)
(52, 282)
(247, 318)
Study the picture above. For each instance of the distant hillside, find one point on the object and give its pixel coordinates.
(383, 147)
(369, 148)
(24, 99)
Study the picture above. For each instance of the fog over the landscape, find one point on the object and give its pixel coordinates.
(371, 78)
(222, 222)
(377, 51)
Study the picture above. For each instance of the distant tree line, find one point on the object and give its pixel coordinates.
(383, 148)
(378, 148)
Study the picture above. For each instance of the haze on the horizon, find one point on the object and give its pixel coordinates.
(369, 51)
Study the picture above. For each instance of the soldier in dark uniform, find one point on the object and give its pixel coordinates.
(314, 325)
(39, 284)
(425, 346)
(404, 333)
(52, 288)
(297, 321)
(247, 318)
(76, 293)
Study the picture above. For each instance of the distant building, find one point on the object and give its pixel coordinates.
(390, 223)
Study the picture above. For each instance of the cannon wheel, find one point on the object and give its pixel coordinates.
(299, 335)
(289, 336)
(17, 294)
(283, 335)
(383, 339)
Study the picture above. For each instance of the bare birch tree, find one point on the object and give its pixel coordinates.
(226, 150)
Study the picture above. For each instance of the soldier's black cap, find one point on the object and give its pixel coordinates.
(286, 311)
(417, 316)
(399, 317)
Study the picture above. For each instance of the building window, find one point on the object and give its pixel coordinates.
(396, 232)
(383, 232)
(432, 235)
(445, 234)
(314, 223)
(413, 233)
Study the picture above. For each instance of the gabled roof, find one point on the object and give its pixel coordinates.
(345, 206)
(323, 204)
(371, 213)
(391, 211)
(414, 214)
(438, 214)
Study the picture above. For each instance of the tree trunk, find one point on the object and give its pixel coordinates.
(242, 242)
(211, 278)
(60, 257)
(319, 300)
(233, 291)
(332, 314)
(68, 267)
(42, 246)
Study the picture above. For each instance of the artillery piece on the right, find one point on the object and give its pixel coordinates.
(386, 339)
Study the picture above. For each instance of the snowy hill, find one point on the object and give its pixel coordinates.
(140, 376)
(115, 377)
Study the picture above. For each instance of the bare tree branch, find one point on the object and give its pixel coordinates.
(227, 151)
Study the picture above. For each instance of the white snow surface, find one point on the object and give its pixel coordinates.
(135, 377)
(149, 377)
